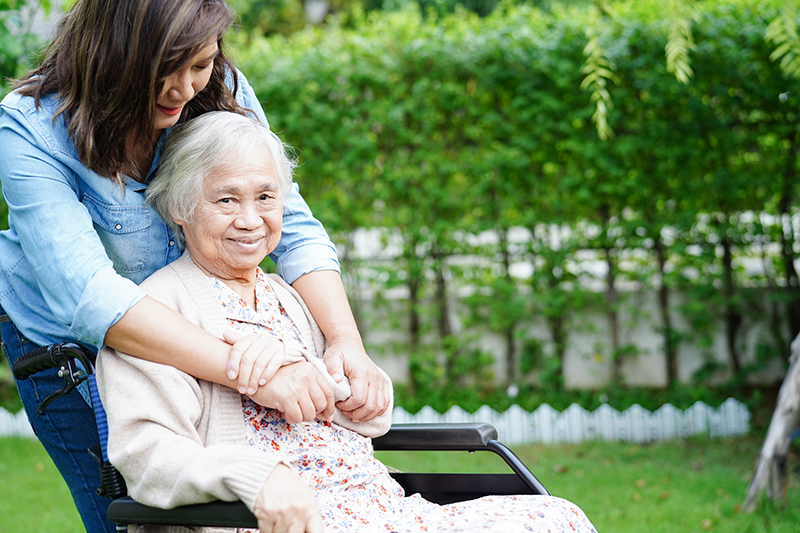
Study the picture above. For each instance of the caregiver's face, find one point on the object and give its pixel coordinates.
(238, 220)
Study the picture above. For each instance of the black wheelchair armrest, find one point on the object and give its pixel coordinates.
(459, 437)
(212, 514)
(466, 436)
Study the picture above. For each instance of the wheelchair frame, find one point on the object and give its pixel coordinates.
(441, 488)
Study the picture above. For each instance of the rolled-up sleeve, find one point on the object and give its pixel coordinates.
(305, 245)
(106, 297)
(66, 258)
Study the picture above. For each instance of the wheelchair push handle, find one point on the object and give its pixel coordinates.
(61, 356)
(52, 356)
(30, 363)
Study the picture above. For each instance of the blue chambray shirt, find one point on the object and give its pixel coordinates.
(79, 245)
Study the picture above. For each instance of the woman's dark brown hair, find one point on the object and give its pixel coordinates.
(108, 64)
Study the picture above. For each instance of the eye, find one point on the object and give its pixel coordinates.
(225, 200)
(268, 196)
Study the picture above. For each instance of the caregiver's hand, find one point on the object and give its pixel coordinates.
(287, 505)
(299, 391)
(370, 396)
(253, 358)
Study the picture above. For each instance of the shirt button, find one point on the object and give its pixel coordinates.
(118, 226)
(172, 243)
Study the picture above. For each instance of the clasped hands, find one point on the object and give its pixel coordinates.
(285, 504)
(298, 390)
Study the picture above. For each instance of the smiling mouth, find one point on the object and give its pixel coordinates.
(171, 111)
(247, 243)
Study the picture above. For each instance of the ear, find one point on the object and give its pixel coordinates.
(178, 222)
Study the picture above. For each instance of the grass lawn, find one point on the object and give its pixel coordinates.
(686, 486)
(33, 497)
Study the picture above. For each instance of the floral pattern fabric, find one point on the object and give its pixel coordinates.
(354, 490)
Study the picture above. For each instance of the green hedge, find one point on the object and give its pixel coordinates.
(437, 129)
(440, 129)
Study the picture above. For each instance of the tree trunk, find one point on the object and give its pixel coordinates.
(788, 237)
(442, 304)
(413, 314)
(555, 312)
(775, 309)
(733, 318)
(670, 350)
(612, 297)
(414, 285)
(771, 473)
(512, 364)
(558, 334)
(443, 311)
(790, 274)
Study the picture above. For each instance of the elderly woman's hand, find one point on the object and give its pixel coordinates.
(254, 359)
(370, 396)
(287, 505)
(298, 391)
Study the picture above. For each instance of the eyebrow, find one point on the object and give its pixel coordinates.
(212, 56)
(232, 189)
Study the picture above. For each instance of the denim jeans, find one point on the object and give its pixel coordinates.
(67, 430)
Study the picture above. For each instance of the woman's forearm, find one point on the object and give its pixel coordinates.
(150, 330)
(323, 293)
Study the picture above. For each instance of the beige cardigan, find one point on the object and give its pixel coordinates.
(179, 440)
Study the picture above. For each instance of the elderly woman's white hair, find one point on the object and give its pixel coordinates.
(202, 146)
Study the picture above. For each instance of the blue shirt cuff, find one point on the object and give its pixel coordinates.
(306, 258)
(106, 298)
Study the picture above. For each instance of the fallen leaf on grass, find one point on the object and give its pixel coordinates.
(640, 483)
(706, 524)
(39, 467)
(664, 495)
(637, 497)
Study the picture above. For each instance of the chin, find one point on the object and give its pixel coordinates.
(166, 122)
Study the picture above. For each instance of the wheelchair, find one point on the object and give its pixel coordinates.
(76, 365)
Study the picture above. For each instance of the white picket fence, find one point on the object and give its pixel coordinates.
(15, 425)
(576, 424)
(546, 425)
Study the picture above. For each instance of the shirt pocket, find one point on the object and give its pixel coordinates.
(123, 230)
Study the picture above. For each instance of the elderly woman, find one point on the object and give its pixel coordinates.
(179, 440)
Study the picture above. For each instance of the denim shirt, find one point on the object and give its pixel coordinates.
(79, 244)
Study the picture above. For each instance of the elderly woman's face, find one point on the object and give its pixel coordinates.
(238, 220)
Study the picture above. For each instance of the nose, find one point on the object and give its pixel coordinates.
(180, 86)
(249, 218)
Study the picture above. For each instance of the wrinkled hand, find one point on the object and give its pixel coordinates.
(287, 505)
(370, 396)
(298, 391)
(254, 358)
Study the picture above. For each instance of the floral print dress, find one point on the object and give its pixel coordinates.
(354, 490)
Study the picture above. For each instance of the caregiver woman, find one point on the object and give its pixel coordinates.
(80, 137)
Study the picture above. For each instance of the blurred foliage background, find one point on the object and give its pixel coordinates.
(498, 147)
(657, 138)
